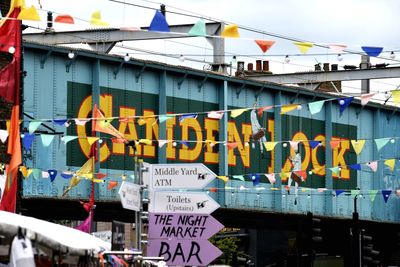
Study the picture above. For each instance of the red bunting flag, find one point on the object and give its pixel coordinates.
(264, 44)
(100, 124)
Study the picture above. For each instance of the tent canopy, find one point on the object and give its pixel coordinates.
(55, 236)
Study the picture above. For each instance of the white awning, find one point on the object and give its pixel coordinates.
(55, 236)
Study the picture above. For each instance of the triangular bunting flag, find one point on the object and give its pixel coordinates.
(334, 143)
(390, 163)
(112, 184)
(294, 145)
(396, 96)
(264, 44)
(365, 98)
(316, 107)
(96, 20)
(232, 145)
(223, 178)
(372, 194)
(67, 174)
(60, 122)
(373, 165)
(237, 112)
(145, 141)
(337, 48)
(159, 23)
(64, 19)
(288, 108)
(386, 194)
(285, 175)
(163, 118)
(92, 140)
(47, 139)
(161, 143)
(271, 177)
(358, 145)
(256, 179)
(81, 122)
(238, 177)
(344, 103)
(230, 31)
(29, 14)
(185, 143)
(355, 192)
(314, 144)
(33, 125)
(302, 174)
(335, 170)
(24, 171)
(269, 146)
(52, 174)
(339, 191)
(3, 136)
(262, 109)
(215, 115)
(356, 167)
(372, 51)
(68, 138)
(198, 29)
(381, 142)
(27, 140)
(37, 173)
(187, 116)
(303, 46)
(100, 124)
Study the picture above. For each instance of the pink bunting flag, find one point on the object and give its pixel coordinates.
(161, 143)
(264, 44)
(294, 144)
(262, 109)
(271, 177)
(365, 98)
(337, 48)
(373, 165)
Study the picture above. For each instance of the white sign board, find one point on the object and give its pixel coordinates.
(180, 176)
(182, 202)
(130, 196)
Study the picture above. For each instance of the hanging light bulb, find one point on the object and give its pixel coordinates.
(287, 59)
(71, 54)
(181, 58)
(392, 55)
(11, 50)
(234, 60)
(127, 57)
(339, 57)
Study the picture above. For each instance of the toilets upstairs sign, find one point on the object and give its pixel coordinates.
(180, 176)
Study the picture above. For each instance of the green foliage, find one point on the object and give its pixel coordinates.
(229, 247)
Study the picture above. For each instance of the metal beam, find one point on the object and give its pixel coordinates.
(112, 35)
(326, 76)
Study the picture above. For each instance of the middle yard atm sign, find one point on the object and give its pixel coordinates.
(242, 159)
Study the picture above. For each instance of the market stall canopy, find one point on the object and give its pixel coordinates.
(55, 236)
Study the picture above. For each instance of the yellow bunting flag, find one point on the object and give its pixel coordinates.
(269, 146)
(358, 145)
(303, 46)
(237, 112)
(230, 31)
(95, 20)
(29, 14)
(396, 96)
(288, 108)
(390, 163)
(25, 171)
(285, 175)
(223, 178)
(145, 141)
(92, 140)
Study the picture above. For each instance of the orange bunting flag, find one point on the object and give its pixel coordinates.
(101, 124)
(232, 145)
(288, 108)
(264, 44)
(334, 143)
(303, 46)
(262, 109)
(230, 31)
(302, 174)
(64, 19)
(112, 184)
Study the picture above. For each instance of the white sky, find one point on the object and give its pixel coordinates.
(354, 23)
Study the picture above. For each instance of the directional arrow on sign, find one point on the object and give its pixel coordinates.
(183, 226)
(183, 252)
(180, 176)
(182, 202)
(130, 196)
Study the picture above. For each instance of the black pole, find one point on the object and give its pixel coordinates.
(356, 236)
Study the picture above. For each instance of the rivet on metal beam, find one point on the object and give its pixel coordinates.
(44, 58)
(202, 82)
(238, 91)
(139, 73)
(180, 81)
